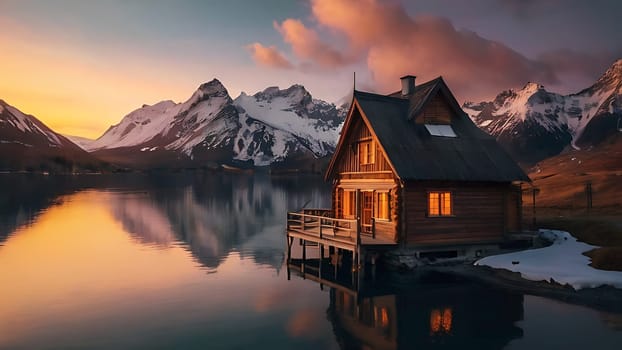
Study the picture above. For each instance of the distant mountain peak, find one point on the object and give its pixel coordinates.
(273, 126)
(295, 93)
(612, 78)
(532, 87)
(27, 143)
(533, 123)
(160, 105)
(213, 88)
(617, 65)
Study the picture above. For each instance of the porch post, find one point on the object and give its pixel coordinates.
(359, 202)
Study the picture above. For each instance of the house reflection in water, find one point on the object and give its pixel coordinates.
(429, 315)
(440, 321)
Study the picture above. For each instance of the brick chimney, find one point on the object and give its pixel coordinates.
(408, 85)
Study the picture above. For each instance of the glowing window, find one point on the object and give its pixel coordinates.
(381, 205)
(440, 204)
(381, 317)
(441, 321)
(349, 201)
(366, 153)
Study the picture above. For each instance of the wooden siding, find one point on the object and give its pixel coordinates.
(383, 228)
(349, 159)
(480, 213)
(513, 209)
(437, 111)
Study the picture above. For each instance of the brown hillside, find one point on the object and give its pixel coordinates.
(563, 180)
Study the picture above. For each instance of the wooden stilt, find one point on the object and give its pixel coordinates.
(355, 258)
(336, 261)
(361, 268)
(320, 260)
(304, 255)
(290, 241)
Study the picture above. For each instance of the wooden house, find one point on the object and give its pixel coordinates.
(412, 170)
(427, 317)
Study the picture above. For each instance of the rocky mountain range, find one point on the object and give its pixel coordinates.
(289, 129)
(273, 127)
(534, 124)
(28, 144)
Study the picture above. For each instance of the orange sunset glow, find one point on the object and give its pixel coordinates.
(310, 174)
(80, 68)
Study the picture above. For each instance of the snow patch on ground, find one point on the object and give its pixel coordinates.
(562, 261)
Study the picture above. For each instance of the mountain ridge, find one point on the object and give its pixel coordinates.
(271, 127)
(288, 128)
(28, 144)
(533, 124)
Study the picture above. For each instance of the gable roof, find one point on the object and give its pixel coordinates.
(414, 154)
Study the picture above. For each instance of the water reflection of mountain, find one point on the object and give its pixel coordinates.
(430, 316)
(211, 213)
(218, 213)
(24, 196)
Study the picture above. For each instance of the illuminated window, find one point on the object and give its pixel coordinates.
(366, 152)
(441, 321)
(440, 204)
(349, 201)
(381, 205)
(381, 317)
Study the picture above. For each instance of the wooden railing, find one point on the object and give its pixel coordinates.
(324, 227)
(319, 212)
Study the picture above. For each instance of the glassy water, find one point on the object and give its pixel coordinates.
(196, 260)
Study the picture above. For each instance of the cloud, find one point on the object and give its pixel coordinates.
(365, 22)
(303, 324)
(394, 44)
(306, 44)
(268, 56)
(391, 43)
(569, 61)
(521, 8)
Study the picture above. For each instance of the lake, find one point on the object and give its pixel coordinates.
(197, 261)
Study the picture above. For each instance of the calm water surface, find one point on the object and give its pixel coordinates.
(197, 261)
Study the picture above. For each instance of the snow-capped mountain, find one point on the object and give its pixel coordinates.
(270, 127)
(290, 121)
(534, 124)
(28, 144)
(82, 142)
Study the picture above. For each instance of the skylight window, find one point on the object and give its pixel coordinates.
(440, 130)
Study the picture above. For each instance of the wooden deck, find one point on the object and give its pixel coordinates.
(316, 225)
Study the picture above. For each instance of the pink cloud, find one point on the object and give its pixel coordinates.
(391, 43)
(364, 22)
(268, 56)
(306, 44)
(394, 44)
(304, 323)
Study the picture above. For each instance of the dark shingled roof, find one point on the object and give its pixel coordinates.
(416, 155)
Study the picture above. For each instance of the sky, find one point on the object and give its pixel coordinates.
(81, 65)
